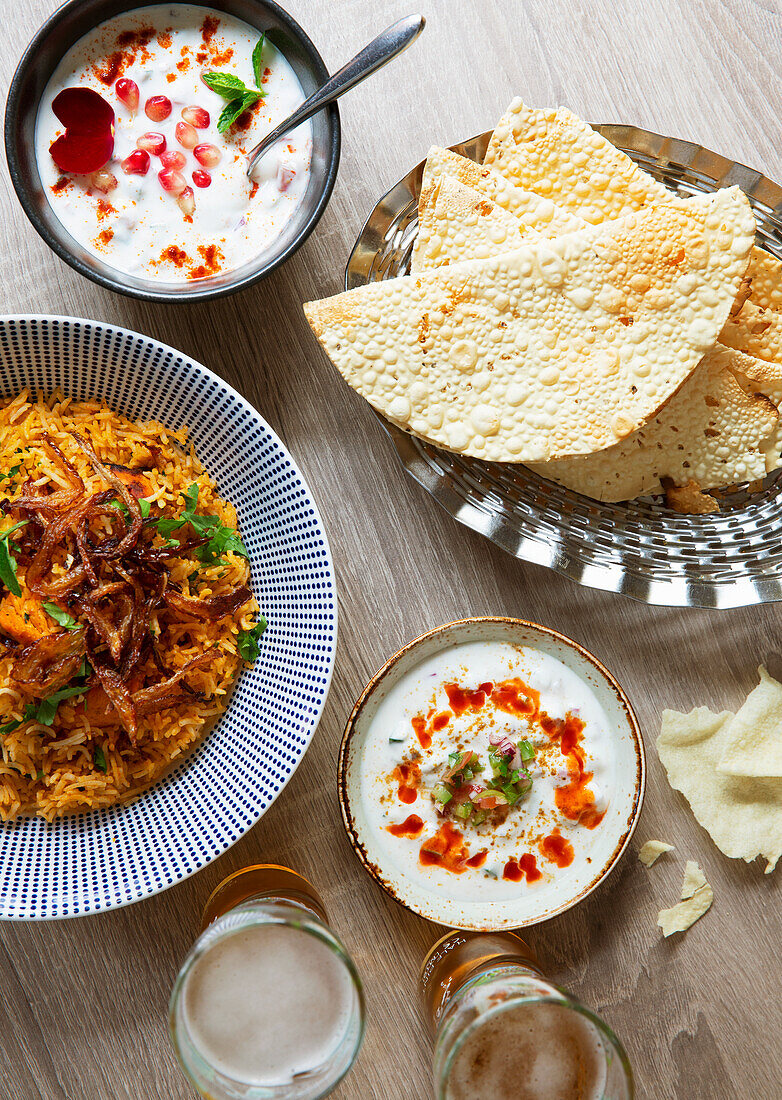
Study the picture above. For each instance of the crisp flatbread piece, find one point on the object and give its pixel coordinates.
(757, 332)
(652, 850)
(712, 432)
(694, 878)
(685, 913)
(562, 347)
(742, 815)
(459, 223)
(754, 736)
(560, 156)
(531, 208)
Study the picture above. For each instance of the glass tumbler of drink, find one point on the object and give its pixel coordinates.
(503, 1031)
(268, 1004)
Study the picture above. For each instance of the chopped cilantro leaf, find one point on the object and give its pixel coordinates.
(8, 561)
(60, 616)
(222, 540)
(248, 641)
(9, 727)
(99, 757)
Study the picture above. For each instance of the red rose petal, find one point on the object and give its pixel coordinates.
(82, 152)
(88, 141)
(82, 110)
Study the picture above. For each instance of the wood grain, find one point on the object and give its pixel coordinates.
(84, 1001)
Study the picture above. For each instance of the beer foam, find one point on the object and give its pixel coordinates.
(266, 1003)
(530, 1052)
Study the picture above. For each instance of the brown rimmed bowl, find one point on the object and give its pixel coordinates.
(532, 904)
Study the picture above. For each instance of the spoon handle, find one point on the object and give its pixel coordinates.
(392, 41)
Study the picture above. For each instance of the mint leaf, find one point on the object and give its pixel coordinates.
(248, 641)
(60, 616)
(225, 84)
(258, 60)
(235, 108)
(99, 758)
(9, 727)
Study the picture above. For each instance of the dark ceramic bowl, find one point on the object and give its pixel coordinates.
(68, 24)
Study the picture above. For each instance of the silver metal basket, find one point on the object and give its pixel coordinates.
(640, 548)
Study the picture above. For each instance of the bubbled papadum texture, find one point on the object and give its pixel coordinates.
(714, 430)
(459, 223)
(528, 206)
(560, 348)
(711, 431)
(559, 156)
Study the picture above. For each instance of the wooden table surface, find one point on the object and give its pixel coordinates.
(83, 1002)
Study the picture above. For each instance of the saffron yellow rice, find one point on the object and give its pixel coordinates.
(51, 770)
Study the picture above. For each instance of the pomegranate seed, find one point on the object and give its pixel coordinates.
(127, 92)
(173, 159)
(157, 107)
(285, 177)
(196, 116)
(103, 180)
(152, 142)
(186, 201)
(201, 178)
(208, 155)
(137, 164)
(186, 135)
(171, 180)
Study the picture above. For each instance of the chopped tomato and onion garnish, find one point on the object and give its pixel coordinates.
(480, 791)
(466, 792)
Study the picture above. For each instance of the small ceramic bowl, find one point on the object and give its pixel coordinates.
(64, 28)
(540, 902)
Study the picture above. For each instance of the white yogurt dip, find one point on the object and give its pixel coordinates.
(489, 698)
(223, 220)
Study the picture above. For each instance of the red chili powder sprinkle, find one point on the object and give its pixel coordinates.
(106, 235)
(104, 209)
(164, 40)
(170, 77)
(62, 183)
(174, 255)
(209, 28)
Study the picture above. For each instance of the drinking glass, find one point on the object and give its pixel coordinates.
(486, 998)
(233, 1047)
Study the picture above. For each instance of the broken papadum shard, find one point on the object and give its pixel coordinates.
(741, 814)
(527, 356)
(651, 851)
(685, 913)
(694, 879)
(754, 736)
(554, 152)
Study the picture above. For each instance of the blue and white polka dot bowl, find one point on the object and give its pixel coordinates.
(101, 860)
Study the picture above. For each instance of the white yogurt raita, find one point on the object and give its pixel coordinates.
(223, 220)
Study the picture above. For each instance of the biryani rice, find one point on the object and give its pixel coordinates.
(50, 771)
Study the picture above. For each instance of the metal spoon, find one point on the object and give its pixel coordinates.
(373, 57)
